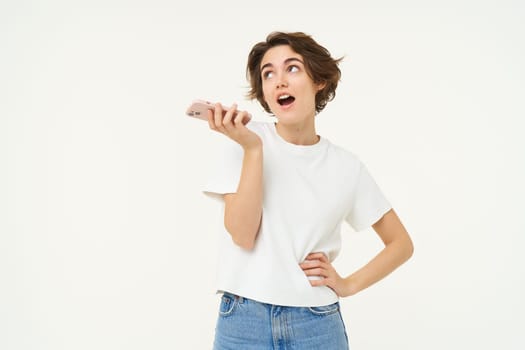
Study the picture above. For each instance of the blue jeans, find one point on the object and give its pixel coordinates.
(244, 324)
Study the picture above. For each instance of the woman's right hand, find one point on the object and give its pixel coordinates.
(232, 124)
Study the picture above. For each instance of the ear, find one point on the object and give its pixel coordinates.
(320, 86)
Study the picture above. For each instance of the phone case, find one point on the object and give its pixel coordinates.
(199, 109)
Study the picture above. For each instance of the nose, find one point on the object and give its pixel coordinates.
(281, 82)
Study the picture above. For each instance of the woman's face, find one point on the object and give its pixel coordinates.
(287, 88)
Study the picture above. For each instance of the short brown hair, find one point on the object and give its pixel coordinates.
(320, 66)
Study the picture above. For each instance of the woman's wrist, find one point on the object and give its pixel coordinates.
(351, 287)
(255, 148)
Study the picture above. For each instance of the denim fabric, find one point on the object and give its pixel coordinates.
(244, 324)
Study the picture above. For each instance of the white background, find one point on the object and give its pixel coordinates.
(105, 239)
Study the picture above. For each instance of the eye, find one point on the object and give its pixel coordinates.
(267, 74)
(293, 69)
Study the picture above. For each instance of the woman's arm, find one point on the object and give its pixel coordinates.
(243, 209)
(398, 249)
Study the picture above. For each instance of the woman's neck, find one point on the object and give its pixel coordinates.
(299, 134)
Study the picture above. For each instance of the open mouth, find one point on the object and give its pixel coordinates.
(285, 100)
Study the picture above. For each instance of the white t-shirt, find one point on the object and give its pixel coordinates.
(308, 191)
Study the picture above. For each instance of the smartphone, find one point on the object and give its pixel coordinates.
(199, 109)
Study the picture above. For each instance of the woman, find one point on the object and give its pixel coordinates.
(286, 192)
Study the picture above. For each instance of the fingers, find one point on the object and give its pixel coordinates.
(217, 118)
(317, 256)
(315, 268)
(315, 265)
(319, 269)
(235, 119)
(211, 119)
(316, 272)
(227, 121)
(242, 118)
(231, 122)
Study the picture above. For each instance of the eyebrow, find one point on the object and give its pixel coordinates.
(286, 61)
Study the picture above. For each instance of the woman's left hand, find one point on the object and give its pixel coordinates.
(317, 264)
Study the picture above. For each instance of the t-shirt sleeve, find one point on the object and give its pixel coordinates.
(225, 171)
(369, 203)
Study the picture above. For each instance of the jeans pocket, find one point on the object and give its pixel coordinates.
(324, 310)
(228, 303)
